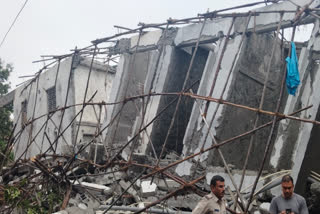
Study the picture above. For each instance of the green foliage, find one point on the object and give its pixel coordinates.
(31, 211)
(5, 71)
(11, 194)
(43, 201)
(5, 112)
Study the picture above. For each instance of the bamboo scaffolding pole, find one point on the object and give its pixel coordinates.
(175, 178)
(85, 96)
(157, 169)
(222, 93)
(314, 173)
(275, 41)
(234, 199)
(161, 49)
(146, 126)
(174, 193)
(74, 56)
(214, 14)
(268, 176)
(29, 142)
(211, 99)
(186, 79)
(268, 144)
(280, 115)
(218, 66)
(221, 157)
(120, 196)
(46, 123)
(220, 144)
(131, 69)
(270, 182)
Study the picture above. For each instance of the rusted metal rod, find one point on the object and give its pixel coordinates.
(218, 66)
(85, 95)
(275, 41)
(179, 98)
(74, 58)
(280, 115)
(174, 193)
(268, 144)
(225, 85)
(220, 144)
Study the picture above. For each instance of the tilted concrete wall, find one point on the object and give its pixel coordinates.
(129, 81)
(296, 146)
(77, 86)
(173, 82)
(23, 93)
(245, 87)
(152, 74)
(100, 84)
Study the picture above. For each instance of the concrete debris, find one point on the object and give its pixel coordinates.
(148, 188)
(82, 206)
(130, 189)
(264, 208)
(167, 184)
(61, 212)
(94, 187)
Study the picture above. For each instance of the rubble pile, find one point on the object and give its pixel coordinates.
(68, 184)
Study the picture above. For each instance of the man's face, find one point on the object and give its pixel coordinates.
(287, 189)
(218, 189)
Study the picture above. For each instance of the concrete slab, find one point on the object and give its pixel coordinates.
(148, 189)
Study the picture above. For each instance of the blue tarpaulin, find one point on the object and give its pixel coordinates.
(293, 79)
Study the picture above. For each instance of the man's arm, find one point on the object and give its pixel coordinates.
(303, 207)
(273, 207)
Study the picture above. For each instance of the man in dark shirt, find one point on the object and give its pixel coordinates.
(288, 202)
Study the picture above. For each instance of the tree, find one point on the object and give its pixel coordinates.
(6, 111)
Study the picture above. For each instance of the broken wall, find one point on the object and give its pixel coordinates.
(244, 87)
(98, 90)
(179, 64)
(129, 81)
(48, 92)
(145, 72)
(295, 146)
(34, 94)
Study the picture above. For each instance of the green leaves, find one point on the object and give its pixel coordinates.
(6, 111)
(42, 201)
(11, 194)
(5, 71)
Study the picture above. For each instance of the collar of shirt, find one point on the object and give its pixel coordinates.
(216, 199)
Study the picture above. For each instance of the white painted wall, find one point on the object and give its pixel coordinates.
(100, 80)
(310, 96)
(46, 81)
(307, 96)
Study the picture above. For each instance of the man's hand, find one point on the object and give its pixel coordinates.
(285, 212)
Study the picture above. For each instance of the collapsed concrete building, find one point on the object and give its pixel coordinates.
(161, 65)
(199, 99)
(61, 85)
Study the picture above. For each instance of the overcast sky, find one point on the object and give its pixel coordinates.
(52, 27)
